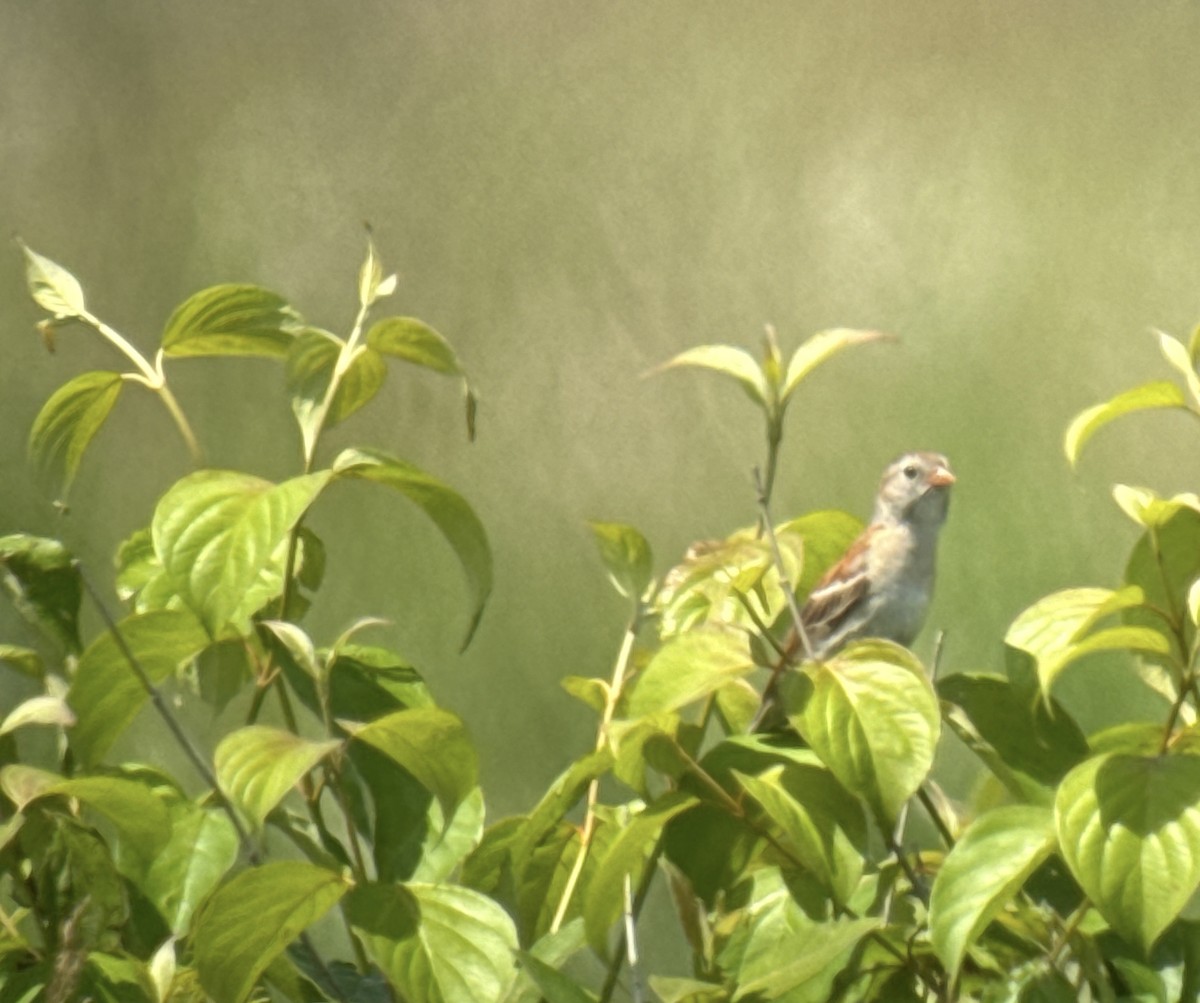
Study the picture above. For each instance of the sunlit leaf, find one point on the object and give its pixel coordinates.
(42, 710)
(448, 510)
(257, 765)
(688, 668)
(231, 320)
(23, 784)
(52, 287)
(311, 362)
(626, 859)
(1147, 509)
(131, 806)
(734, 362)
(1164, 563)
(298, 643)
(414, 341)
(1181, 361)
(221, 534)
(1157, 394)
(43, 582)
(370, 276)
(872, 717)
(68, 422)
(823, 346)
(987, 867)
(1129, 829)
(250, 919)
(626, 554)
(106, 695)
(1060, 629)
(436, 943)
(433, 745)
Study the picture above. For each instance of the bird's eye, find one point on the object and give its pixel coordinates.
(911, 471)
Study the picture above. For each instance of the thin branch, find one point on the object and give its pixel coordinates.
(639, 900)
(935, 816)
(1068, 931)
(631, 949)
(777, 555)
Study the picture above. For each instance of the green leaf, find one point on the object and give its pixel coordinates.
(734, 362)
(823, 346)
(1181, 361)
(627, 857)
(24, 784)
(52, 287)
(556, 987)
(1164, 563)
(822, 827)
(231, 320)
(40, 710)
(105, 694)
(371, 283)
(257, 765)
(626, 554)
(448, 510)
(872, 717)
(1060, 629)
(42, 580)
(670, 990)
(436, 943)
(222, 539)
(251, 918)
(687, 668)
(311, 362)
(1157, 394)
(68, 422)
(139, 816)
(987, 867)
(414, 341)
(25, 660)
(1129, 830)
(433, 745)
(449, 840)
(1145, 508)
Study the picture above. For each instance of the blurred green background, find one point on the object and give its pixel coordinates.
(573, 192)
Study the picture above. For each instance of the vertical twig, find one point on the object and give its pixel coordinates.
(631, 949)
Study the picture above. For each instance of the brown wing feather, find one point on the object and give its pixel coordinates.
(839, 590)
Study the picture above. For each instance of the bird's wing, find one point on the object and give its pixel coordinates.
(839, 591)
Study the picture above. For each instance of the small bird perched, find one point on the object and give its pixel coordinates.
(882, 585)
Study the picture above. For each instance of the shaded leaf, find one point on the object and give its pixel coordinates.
(556, 986)
(436, 943)
(257, 765)
(821, 347)
(448, 510)
(734, 362)
(250, 919)
(52, 287)
(42, 580)
(25, 660)
(626, 554)
(413, 341)
(40, 710)
(1129, 829)
(231, 320)
(68, 422)
(140, 818)
(433, 745)
(106, 695)
(1157, 394)
(871, 715)
(987, 867)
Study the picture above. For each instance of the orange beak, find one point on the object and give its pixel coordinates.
(941, 478)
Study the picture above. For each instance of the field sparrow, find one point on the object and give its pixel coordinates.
(882, 585)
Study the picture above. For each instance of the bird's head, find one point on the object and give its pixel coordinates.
(915, 488)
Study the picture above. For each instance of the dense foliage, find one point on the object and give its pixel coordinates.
(788, 857)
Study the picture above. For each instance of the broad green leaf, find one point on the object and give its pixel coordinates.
(820, 825)
(1024, 741)
(113, 977)
(821, 347)
(627, 857)
(448, 510)
(106, 695)
(25, 660)
(1181, 361)
(1060, 629)
(1147, 509)
(311, 362)
(257, 765)
(872, 716)
(688, 668)
(222, 539)
(436, 943)
(433, 745)
(1157, 394)
(734, 362)
(67, 423)
(448, 841)
(1129, 829)
(298, 644)
(251, 918)
(555, 950)
(23, 784)
(42, 580)
(414, 341)
(987, 867)
(588, 690)
(139, 816)
(556, 986)
(52, 287)
(626, 554)
(670, 990)
(1164, 563)
(231, 320)
(40, 710)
